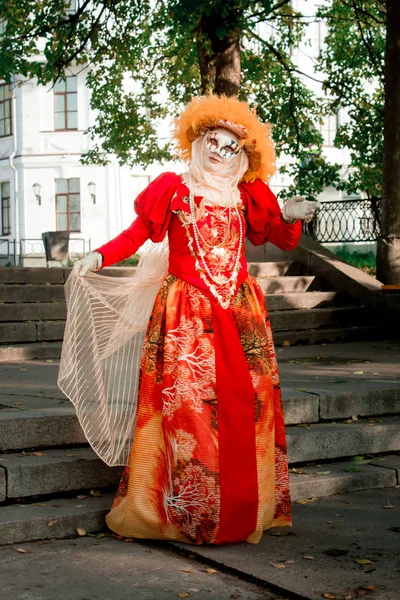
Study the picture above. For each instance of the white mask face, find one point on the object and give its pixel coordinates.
(221, 148)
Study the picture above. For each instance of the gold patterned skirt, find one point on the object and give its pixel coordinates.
(208, 463)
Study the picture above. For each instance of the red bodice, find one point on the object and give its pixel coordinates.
(164, 207)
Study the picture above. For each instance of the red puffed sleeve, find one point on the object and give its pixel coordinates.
(263, 217)
(153, 209)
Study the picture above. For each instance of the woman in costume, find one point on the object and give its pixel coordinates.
(189, 337)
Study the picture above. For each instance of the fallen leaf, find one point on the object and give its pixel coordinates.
(50, 360)
(286, 344)
(81, 497)
(23, 551)
(39, 504)
(188, 570)
(197, 590)
(129, 540)
(95, 493)
(80, 505)
(18, 403)
(70, 455)
(300, 471)
(23, 369)
(183, 595)
(39, 454)
(355, 418)
(290, 562)
(389, 505)
(306, 500)
(328, 595)
(358, 372)
(323, 472)
(308, 557)
(303, 389)
(353, 470)
(38, 395)
(364, 561)
(277, 566)
(348, 421)
(210, 570)
(80, 531)
(368, 587)
(51, 523)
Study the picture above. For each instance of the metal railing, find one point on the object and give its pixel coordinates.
(33, 248)
(346, 221)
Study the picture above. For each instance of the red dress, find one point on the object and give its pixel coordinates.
(208, 463)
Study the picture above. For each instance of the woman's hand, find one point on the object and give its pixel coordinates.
(298, 208)
(91, 262)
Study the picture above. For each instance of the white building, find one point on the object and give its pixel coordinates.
(43, 185)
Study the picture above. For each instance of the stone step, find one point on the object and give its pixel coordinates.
(329, 335)
(32, 311)
(318, 317)
(17, 332)
(34, 350)
(30, 522)
(28, 310)
(56, 471)
(290, 283)
(30, 331)
(26, 428)
(29, 474)
(296, 300)
(36, 275)
(275, 269)
(21, 430)
(32, 293)
(328, 479)
(324, 441)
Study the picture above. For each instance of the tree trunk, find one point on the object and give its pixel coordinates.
(227, 67)
(219, 55)
(207, 68)
(388, 246)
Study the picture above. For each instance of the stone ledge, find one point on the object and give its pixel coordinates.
(55, 472)
(327, 440)
(25, 523)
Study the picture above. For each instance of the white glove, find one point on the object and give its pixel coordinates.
(298, 208)
(91, 262)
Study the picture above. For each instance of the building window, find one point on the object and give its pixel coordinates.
(5, 208)
(328, 129)
(71, 7)
(2, 27)
(5, 110)
(66, 104)
(68, 205)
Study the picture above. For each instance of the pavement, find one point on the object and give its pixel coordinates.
(340, 547)
(109, 569)
(314, 369)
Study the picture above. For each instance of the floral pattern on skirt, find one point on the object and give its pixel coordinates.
(172, 486)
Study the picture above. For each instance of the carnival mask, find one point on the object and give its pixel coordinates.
(224, 145)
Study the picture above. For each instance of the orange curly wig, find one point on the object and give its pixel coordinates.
(203, 113)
